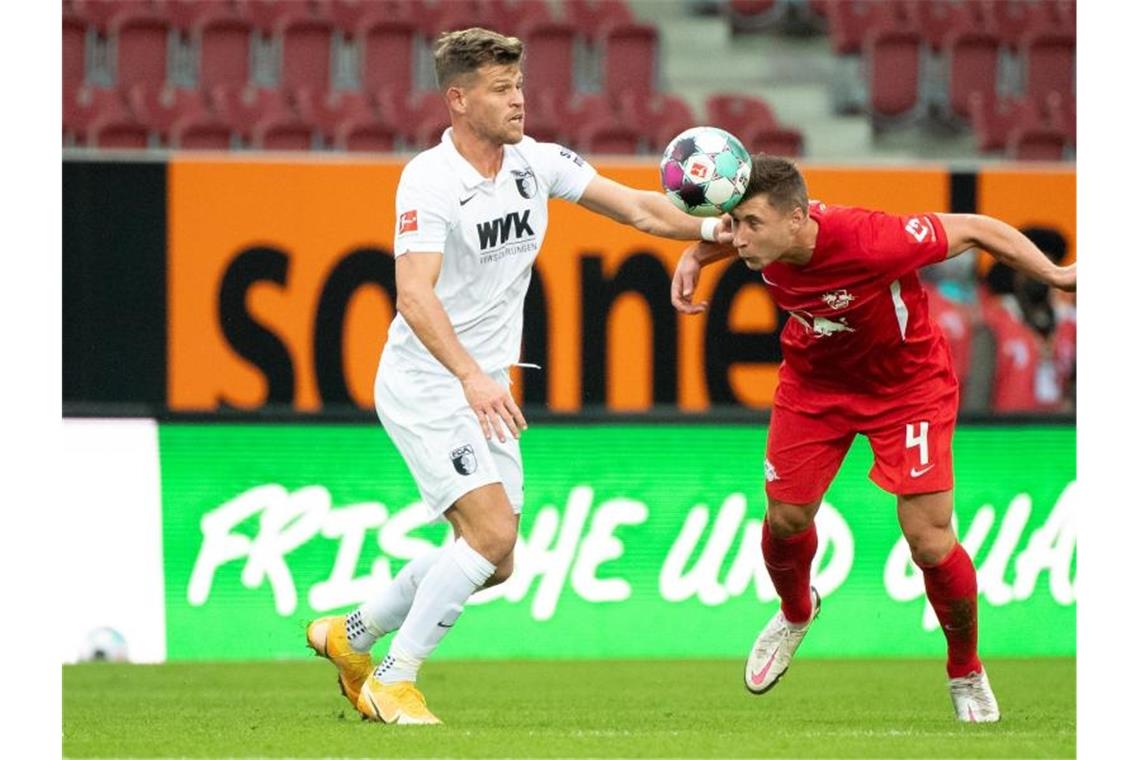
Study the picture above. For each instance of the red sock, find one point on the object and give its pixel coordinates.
(789, 566)
(952, 588)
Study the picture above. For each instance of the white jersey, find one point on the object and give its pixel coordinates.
(489, 232)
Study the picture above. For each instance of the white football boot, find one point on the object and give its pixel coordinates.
(973, 699)
(772, 652)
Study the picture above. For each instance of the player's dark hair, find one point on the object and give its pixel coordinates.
(464, 51)
(780, 179)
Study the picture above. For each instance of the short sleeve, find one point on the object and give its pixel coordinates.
(564, 171)
(423, 211)
(902, 244)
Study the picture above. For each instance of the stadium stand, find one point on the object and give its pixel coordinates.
(358, 72)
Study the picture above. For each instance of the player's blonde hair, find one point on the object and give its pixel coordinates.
(780, 179)
(464, 51)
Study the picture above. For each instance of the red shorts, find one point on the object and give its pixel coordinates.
(910, 435)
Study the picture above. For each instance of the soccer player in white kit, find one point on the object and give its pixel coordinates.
(471, 217)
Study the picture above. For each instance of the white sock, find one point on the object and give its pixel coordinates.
(386, 611)
(455, 576)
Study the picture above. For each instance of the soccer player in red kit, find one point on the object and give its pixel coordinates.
(861, 356)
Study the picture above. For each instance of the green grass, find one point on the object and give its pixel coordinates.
(699, 709)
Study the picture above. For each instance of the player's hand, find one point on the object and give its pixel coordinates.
(1066, 278)
(724, 230)
(493, 406)
(685, 278)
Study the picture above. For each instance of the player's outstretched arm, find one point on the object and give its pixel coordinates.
(966, 231)
(416, 275)
(648, 211)
(688, 272)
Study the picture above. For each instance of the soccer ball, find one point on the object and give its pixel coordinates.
(705, 171)
(104, 645)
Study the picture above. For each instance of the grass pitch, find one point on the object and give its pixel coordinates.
(674, 709)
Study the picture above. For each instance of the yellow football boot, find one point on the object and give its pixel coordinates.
(328, 638)
(399, 702)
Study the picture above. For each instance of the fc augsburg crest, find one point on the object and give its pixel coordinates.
(525, 182)
(463, 459)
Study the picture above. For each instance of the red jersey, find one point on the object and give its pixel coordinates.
(860, 322)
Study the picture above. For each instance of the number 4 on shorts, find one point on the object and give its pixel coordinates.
(918, 440)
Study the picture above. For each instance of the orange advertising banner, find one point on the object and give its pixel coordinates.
(281, 288)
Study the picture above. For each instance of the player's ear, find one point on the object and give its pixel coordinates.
(456, 99)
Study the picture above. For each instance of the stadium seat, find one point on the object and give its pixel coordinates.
(83, 106)
(937, 20)
(327, 111)
(972, 66)
(993, 119)
(550, 54)
(849, 22)
(118, 129)
(160, 109)
(140, 38)
(224, 43)
(242, 107)
(739, 113)
(373, 136)
(268, 15)
(607, 136)
(200, 132)
(74, 52)
(1037, 143)
(659, 118)
(777, 141)
(285, 132)
(306, 52)
(512, 16)
(429, 118)
(545, 118)
(629, 59)
(591, 17)
(387, 50)
(1010, 20)
(186, 14)
(1050, 63)
(893, 58)
(98, 13)
(748, 16)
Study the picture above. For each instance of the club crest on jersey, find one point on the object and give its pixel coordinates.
(463, 459)
(525, 182)
(838, 299)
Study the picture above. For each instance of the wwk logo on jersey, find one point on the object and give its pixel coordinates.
(838, 299)
(500, 231)
(408, 222)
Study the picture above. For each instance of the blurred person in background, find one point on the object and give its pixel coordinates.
(1031, 334)
(952, 291)
(861, 356)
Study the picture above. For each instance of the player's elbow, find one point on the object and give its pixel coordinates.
(410, 301)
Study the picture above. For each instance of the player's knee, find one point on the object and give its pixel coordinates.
(785, 520)
(929, 547)
(502, 571)
(495, 541)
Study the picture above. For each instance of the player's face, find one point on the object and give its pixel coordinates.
(495, 103)
(761, 233)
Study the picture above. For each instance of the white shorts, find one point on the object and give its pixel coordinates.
(427, 416)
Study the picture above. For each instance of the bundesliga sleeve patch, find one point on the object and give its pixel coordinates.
(408, 222)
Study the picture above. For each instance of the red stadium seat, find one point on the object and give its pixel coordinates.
(451, 15)
(776, 141)
(738, 113)
(1011, 19)
(753, 15)
(993, 120)
(1050, 63)
(83, 106)
(510, 17)
(74, 52)
(224, 43)
(186, 14)
(550, 54)
(373, 136)
(938, 19)
(607, 137)
(119, 129)
(306, 52)
(629, 59)
(201, 132)
(849, 22)
(242, 107)
(347, 15)
(591, 17)
(972, 66)
(268, 15)
(1039, 143)
(658, 118)
(387, 50)
(327, 111)
(283, 133)
(98, 13)
(159, 109)
(140, 39)
(892, 75)
(429, 119)
(545, 120)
